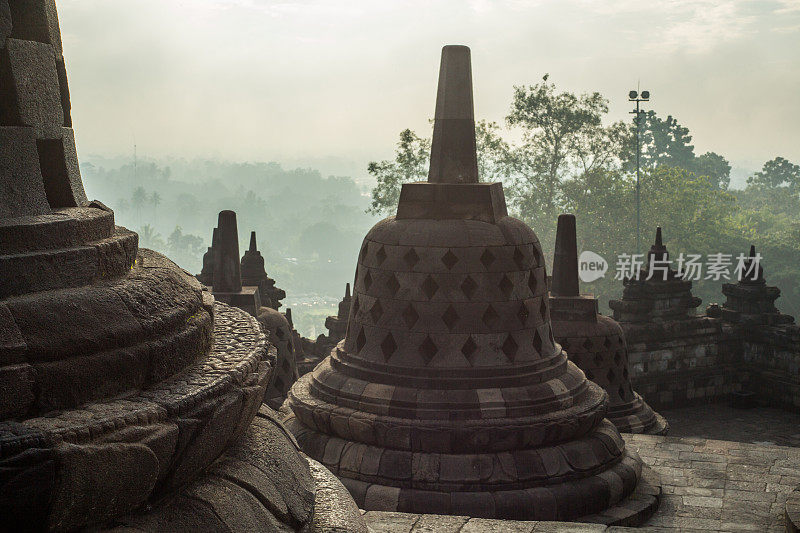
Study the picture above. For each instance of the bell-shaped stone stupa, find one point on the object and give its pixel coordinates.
(595, 342)
(448, 394)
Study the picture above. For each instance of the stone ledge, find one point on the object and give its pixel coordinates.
(64, 228)
(87, 465)
(77, 266)
(82, 344)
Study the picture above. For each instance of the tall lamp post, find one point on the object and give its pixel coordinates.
(635, 96)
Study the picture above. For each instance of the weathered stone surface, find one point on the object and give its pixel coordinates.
(58, 325)
(48, 269)
(337, 330)
(26, 486)
(21, 186)
(452, 201)
(12, 343)
(162, 437)
(334, 508)
(34, 83)
(58, 160)
(206, 276)
(708, 486)
(675, 357)
(16, 382)
(248, 299)
(64, 228)
(5, 21)
(36, 20)
(125, 474)
(261, 483)
(565, 259)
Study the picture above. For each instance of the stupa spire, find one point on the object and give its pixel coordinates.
(253, 247)
(227, 269)
(658, 252)
(347, 292)
(565, 262)
(453, 153)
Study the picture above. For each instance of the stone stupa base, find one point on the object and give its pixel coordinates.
(612, 497)
(574, 481)
(88, 464)
(638, 417)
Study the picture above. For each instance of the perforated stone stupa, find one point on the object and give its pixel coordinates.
(448, 394)
(129, 399)
(595, 342)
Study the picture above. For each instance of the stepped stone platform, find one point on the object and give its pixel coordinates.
(708, 485)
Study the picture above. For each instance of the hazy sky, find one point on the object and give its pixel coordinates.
(288, 81)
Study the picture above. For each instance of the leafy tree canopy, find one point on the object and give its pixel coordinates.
(777, 173)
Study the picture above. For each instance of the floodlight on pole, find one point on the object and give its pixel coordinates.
(635, 96)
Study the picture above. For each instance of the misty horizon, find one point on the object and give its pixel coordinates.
(330, 85)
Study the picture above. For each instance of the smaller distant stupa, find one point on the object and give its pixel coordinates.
(751, 301)
(664, 295)
(595, 342)
(253, 273)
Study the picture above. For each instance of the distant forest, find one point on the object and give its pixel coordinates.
(309, 227)
(568, 160)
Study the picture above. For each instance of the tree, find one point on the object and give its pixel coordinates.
(155, 200)
(150, 238)
(777, 173)
(138, 200)
(555, 127)
(694, 209)
(122, 205)
(410, 164)
(715, 167)
(663, 142)
(494, 153)
(184, 249)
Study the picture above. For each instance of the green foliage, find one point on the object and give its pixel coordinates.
(665, 142)
(560, 131)
(715, 167)
(777, 173)
(410, 164)
(568, 160)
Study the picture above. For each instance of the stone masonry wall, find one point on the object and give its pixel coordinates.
(683, 363)
(771, 355)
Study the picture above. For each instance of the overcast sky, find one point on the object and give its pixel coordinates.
(292, 81)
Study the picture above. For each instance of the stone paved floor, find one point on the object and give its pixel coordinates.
(708, 485)
(721, 422)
